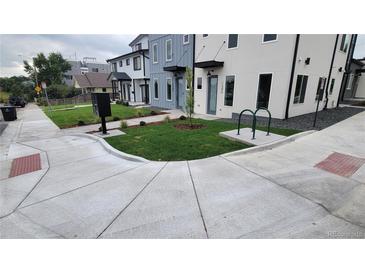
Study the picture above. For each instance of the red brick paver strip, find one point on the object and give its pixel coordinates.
(26, 164)
(341, 164)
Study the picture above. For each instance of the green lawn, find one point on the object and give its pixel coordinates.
(166, 143)
(71, 117)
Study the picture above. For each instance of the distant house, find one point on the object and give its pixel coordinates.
(354, 86)
(130, 73)
(92, 82)
(82, 67)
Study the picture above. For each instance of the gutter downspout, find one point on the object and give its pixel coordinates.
(193, 80)
(292, 75)
(330, 72)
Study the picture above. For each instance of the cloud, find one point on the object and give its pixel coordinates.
(16, 48)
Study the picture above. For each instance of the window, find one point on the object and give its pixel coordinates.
(187, 85)
(269, 37)
(137, 63)
(127, 62)
(68, 77)
(232, 41)
(186, 39)
(199, 83)
(263, 93)
(332, 86)
(94, 70)
(320, 88)
(349, 81)
(228, 97)
(104, 89)
(121, 63)
(155, 85)
(168, 49)
(168, 89)
(114, 67)
(154, 53)
(300, 89)
(344, 42)
(138, 46)
(205, 35)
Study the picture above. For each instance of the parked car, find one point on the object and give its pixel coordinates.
(17, 101)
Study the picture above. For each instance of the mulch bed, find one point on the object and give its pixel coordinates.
(188, 127)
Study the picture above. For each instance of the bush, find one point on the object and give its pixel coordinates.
(123, 124)
(41, 101)
(182, 117)
(119, 102)
(142, 123)
(80, 123)
(139, 113)
(116, 118)
(153, 112)
(125, 104)
(167, 119)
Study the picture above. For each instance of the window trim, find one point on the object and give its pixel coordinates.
(258, 83)
(268, 42)
(299, 103)
(156, 80)
(167, 79)
(168, 60)
(185, 43)
(238, 40)
(234, 88)
(153, 53)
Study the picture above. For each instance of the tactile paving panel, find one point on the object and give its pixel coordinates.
(26, 164)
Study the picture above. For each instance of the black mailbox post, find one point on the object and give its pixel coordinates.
(101, 107)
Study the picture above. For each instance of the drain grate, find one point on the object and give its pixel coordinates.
(341, 164)
(26, 164)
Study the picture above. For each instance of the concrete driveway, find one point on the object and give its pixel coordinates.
(84, 190)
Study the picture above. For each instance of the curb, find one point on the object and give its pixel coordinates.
(111, 149)
(269, 146)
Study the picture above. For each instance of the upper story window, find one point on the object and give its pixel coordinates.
(186, 39)
(155, 53)
(205, 35)
(269, 38)
(232, 41)
(121, 63)
(127, 62)
(138, 46)
(300, 89)
(114, 67)
(137, 63)
(168, 48)
(344, 42)
(94, 70)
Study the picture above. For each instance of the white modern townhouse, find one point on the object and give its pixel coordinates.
(130, 73)
(286, 74)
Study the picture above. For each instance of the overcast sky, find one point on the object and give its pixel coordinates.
(16, 48)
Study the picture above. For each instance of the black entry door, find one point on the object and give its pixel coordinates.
(263, 94)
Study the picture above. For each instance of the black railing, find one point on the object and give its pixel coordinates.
(253, 122)
(269, 123)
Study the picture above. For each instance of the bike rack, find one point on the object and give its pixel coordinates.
(268, 125)
(253, 122)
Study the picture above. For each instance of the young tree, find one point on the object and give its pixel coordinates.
(49, 70)
(189, 105)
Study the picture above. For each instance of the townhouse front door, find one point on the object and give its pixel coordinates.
(180, 93)
(212, 94)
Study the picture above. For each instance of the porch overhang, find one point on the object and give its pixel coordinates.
(209, 64)
(175, 69)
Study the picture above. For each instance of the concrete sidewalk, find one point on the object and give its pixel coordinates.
(83, 191)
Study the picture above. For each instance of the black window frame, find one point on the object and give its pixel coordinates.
(343, 45)
(205, 35)
(332, 85)
(228, 100)
(168, 83)
(270, 38)
(299, 94)
(199, 85)
(127, 62)
(155, 89)
(230, 36)
(94, 69)
(121, 63)
(135, 63)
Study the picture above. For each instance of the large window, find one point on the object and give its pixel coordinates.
(114, 67)
(344, 42)
(199, 83)
(300, 89)
(186, 39)
(168, 49)
(232, 41)
(228, 97)
(137, 63)
(154, 53)
(263, 93)
(169, 89)
(332, 86)
(155, 86)
(269, 37)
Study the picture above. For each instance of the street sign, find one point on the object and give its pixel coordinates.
(38, 89)
(44, 85)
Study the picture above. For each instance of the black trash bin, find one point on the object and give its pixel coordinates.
(9, 113)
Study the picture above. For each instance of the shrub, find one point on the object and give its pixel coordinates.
(125, 104)
(116, 118)
(123, 124)
(142, 123)
(80, 123)
(119, 102)
(139, 113)
(182, 117)
(167, 119)
(153, 112)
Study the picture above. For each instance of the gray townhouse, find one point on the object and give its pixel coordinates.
(85, 66)
(170, 54)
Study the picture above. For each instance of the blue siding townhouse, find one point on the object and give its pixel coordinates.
(170, 54)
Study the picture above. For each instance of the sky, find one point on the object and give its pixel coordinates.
(16, 48)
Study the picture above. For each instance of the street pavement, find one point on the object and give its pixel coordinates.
(85, 191)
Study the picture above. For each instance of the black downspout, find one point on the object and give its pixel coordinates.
(330, 72)
(144, 76)
(292, 75)
(134, 90)
(193, 80)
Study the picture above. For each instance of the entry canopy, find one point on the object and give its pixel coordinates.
(209, 64)
(175, 68)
